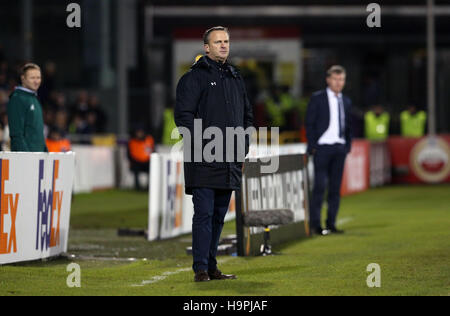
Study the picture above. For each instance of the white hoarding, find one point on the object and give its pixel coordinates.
(170, 209)
(35, 200)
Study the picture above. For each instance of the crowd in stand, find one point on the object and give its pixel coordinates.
(63, 115)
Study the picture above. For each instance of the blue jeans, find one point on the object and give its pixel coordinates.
(210, 208)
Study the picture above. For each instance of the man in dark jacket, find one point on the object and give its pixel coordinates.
(25, 119)
(328, 130)
(212, 96)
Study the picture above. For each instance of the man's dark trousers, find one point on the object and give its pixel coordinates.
(328, 166)
(210, 208)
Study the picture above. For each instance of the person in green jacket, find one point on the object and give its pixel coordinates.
(376, 124)
(413, 122)
(25, 119)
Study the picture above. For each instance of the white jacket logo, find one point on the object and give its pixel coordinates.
(32, 107)
(213, 83)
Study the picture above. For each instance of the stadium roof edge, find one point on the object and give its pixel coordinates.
(291, 11)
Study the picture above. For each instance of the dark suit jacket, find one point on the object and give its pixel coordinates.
(318, 119)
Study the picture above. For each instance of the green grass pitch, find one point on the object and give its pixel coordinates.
(404, 229)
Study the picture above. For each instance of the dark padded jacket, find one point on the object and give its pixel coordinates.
(216, 94)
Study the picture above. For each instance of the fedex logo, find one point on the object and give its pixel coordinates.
(174, 194)
(48, 211)
(8, 209)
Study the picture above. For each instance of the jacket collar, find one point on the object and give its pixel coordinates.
(206, 62)
(26, 90)
(332, 94)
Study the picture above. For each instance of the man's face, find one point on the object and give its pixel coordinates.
(336, 82)
(32, 79)
(140, 134)
(218, 47)
(378, 110)
(412, 109)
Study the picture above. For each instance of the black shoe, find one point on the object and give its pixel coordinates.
(201, 276)
(334, 230)
(218, 275)
(319, 231)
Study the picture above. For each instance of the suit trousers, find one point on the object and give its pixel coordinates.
(210, 208)
(329, 163)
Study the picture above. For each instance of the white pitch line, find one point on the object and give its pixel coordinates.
(161, 277)
(93, 258)
(345, 220)
(164, 275)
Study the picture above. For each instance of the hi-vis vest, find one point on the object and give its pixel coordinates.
(140, 150)
(58, 146)
(413, 125)
(169, 126)
(376, 127)
(276, 111)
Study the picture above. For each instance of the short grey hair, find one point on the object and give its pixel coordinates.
(209, 31)
(29, 66)
(336, 69)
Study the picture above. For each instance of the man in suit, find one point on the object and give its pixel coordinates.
(328, 130)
